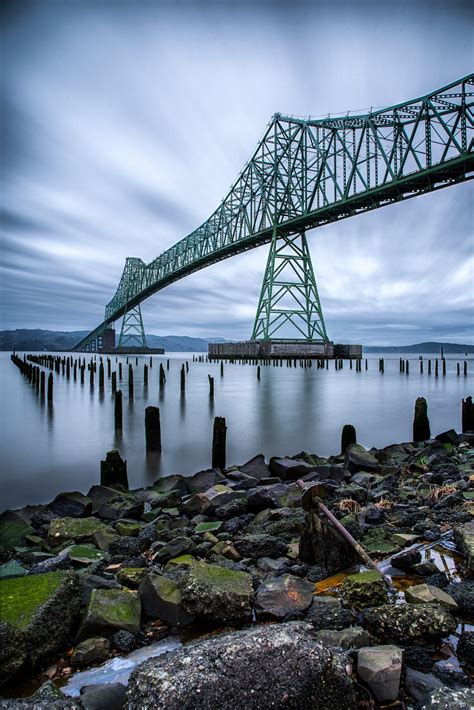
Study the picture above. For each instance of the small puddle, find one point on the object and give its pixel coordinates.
(117, 670)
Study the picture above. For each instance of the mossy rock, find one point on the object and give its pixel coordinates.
(131, 576)
(364, 589)
(162, 599)
(13, 530)
(77, 529)
(110, 610)
(178, 561)
(12, 569)
(42, 608)
(217, 593)
(379, 541)
(128, 528)
(83, 554)
(208, 527)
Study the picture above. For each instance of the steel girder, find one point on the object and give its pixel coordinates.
(305, 173)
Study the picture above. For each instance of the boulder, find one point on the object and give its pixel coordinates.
(256, 467)
(427, 594)
(280, 597)
(463, 594)
(215, 593)
(202, 480)
(289, 469)
(444, 698)
(263, 667)
(82, 554)
(162, 599)
(47, 697)
(71, 505)
(103, 696)
(328, 613)
(178, 546)
(76, 529)
(277, 495)
(464, 539)
(465, 649)
(108, 611)
(92, 650)
(38, 614)
(380, 667)
(257, 545)
(419, 685)
(122, 506)
(364, 589)
(357, 458)
(127, 527)
(415, 623)
(12, 569)
(13, 531)
(131, 577)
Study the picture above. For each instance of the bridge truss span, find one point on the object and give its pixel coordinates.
(305, 173)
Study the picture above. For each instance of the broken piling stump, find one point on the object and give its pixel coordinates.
(118, 410)
(421, 424)
(219, 436)
(152, 429)
(348, 436)
(467, 415)
(113, 471)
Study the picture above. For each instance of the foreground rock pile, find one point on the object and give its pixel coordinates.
(91, 576)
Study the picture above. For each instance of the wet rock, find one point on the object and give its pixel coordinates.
(284, 664)
(268, 564)
(127, 527)
(448, 437)
(12, 569)
(125, 547)
(364, 589)
(53, 564)
(426, 594)
(75, 529)
(40, 608)
(464, 539)
(277, 495)
(353, 637)
(256, 467)
(280, 597)
(231, 509)
(357, 458)
(13, 531)
(12, 650)
(71, 505)
(123, 506)
(381, 667)
(328, 613)
(105, 696)
(444, 698)
(289, 469)
(92, 650)
(162, 599)
(175, 548)
(123, 641)
(108, 611)
(216, 593)
(420, 685)
(414, 623)
(257, 545)
(406, 559)
(424, 569)
(47, 697)
(465, 648)
(202, 481)
(82, 554)
(131, 577)
(379, 541)
(95, 581)
(439, 579)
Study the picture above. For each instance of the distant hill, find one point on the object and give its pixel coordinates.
(31, 340)
(421, 348)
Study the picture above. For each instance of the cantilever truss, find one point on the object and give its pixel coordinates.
(289, 306)
(306, 173)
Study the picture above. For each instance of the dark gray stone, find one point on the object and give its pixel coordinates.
(283, 596)
(106, 696)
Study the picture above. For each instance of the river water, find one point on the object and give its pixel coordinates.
(46, 450)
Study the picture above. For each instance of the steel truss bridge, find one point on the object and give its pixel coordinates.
(304, 174)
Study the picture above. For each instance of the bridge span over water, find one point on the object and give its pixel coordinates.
(304, 174)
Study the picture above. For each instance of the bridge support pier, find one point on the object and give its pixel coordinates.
(289, 307)
(132, 333)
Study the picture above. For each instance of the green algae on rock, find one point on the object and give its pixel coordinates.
(364, 589)
(110, 610)
(77, 529)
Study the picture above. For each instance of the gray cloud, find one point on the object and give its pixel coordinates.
(126, 122)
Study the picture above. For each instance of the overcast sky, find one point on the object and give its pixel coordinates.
(126, 122)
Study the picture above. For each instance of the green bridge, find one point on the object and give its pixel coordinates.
(303, 174)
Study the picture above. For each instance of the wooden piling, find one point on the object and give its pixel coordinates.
(348, 436)
(130, 382)
(118, 416)
(91, 376)
(83, 371)
(465, 368)
(211, 386)
(467, 415)
(120, 370)
(421, 424)
(219, 436)
(436, 367)
(258, 372)
(429, 367)
(145, 374)
(222, 369)
(458, 369)
(50, 388)
(101, 375)
(152, 429)
(444, 366)
(42, 383)
(113, 470)
(183, 379)
(114, 382)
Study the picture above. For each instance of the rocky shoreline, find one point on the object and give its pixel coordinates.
(280, 612)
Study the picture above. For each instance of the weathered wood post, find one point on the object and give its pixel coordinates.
(348, 436)
(421, 424)
(113, 470)
(444, 366)
(75, 370)
(68, 368)
(130, 382)
(50, 388)
(162, 376)
(222, 368)
(465, 368)
(120, 370)
(429, 367)
(219, 442)
(211, 386)
(101, 375)
(136, 361)
(145, 374)
(152, 429)
(109, 367)
(118, 415)
(421, 366)
(42, 383)
(91, 376)
(114, 382)
(467, 415)
(258, 372)
(83, 372)
(167, 364)
(187, 366)
(436, 367)
(183, 379)
(151, 362)
(408, 367)
(458, 369)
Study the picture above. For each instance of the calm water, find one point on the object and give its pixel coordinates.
(47, 450)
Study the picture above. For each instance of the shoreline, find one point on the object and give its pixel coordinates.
(232, 549)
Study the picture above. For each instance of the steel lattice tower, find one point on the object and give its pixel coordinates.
(289, 307)
(132, 333)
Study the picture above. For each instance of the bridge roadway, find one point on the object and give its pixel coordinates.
(306, 173)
